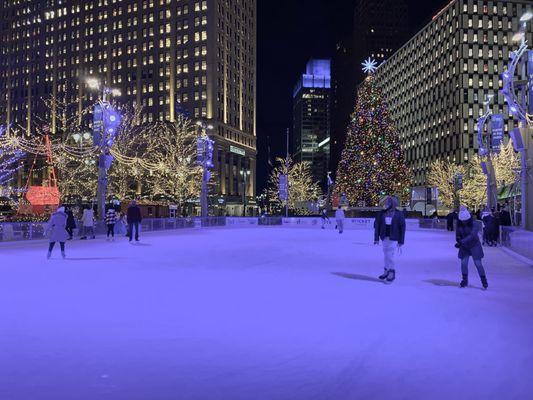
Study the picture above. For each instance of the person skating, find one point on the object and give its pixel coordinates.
(490, 230)
(450, 220)
(389, 227)
(88, 222)
(134, 219)
(110, 221)
(324, 217)
(71, 223)
(468, 243)
(339, 218)
(57, 232)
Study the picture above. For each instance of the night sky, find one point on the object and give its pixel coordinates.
(288, 35)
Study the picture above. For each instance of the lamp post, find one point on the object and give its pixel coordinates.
(205, 159)
(106, 121)
(521, 107)
(245, 174)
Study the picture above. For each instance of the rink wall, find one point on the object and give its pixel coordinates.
(518, 241)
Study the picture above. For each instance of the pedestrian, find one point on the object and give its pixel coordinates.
(88, 222)
(468, 243)
(134, 219)
(110, 221)
(389, 227)
(490, 230)
(325, 218)
(57, 232)
(71, 222)
(120, 228)
(339, 218)
(505, 216)
(450, 220)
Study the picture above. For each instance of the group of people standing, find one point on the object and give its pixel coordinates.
(62, 224)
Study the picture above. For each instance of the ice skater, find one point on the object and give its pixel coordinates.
(88, 222)
(325, 218)
(389, 227)
(110, 221)
(71, 222)
(57, 232)
(134, 219)
(468, 243)
(339, 218)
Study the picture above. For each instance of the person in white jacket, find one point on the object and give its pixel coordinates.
(339, 217)
(88, 222)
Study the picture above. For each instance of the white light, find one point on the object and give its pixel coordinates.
(199, 123)
(86, 135)
(369, 66)
(112, 118)
(526, 17)
(210, 126)
(115, 92)
(76, 137)
(93, 83)
(518, 37)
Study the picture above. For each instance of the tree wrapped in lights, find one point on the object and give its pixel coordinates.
(441, 175)
(506, 164)
(156, 161)
(10, 161)
(372, 163)
(302, 187)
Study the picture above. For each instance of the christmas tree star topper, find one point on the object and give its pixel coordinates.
(369, 66)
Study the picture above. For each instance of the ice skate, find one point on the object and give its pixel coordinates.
(464, 282)
(384, 275)
(391, 276)
(484, 282)
(48, 255)
(63, 255)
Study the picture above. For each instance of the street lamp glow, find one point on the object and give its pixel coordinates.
(115, 92)
(210, 127)
(526, 17)
(93, 83)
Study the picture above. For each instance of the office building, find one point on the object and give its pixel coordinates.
(437, 82)
(196, 57)
(311, 115)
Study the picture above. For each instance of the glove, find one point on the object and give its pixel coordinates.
(457, 245)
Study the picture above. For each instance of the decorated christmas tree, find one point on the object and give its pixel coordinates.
(372, 163)
(9, 161)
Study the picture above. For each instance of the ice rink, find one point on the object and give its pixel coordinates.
(261, 314)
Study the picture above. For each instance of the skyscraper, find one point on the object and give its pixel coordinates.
(379, 29)
(437, 82)
(196, 57)
(311, 113)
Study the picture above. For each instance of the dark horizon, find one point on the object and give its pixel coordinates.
(287, 37)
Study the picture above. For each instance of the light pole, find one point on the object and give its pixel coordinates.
(245, 174)
(106, 121)
(205, 159)
(521, 107)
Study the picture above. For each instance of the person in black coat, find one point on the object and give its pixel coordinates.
(389, 227)
(133, 217)
(505, 216)
(467, 237)
(450, 220)
(71, 223)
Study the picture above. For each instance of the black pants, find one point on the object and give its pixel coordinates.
(132, 225)
(70, 231)
(52, 244)
(111, 230)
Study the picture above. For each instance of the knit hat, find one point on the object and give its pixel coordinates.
(464, 215)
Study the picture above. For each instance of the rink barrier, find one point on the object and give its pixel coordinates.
(518, 240)
(20, 231)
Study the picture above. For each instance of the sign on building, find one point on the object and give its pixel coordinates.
(283, 187)
(497, 127)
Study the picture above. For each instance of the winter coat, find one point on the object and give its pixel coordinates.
(88, 217)
(71, 222)
(505, 218)
(56, 227)
(490, 226)
(339, 214)
(397, 228)
(468, 240)
(451, 217)
(134, 214)
(111, 217)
